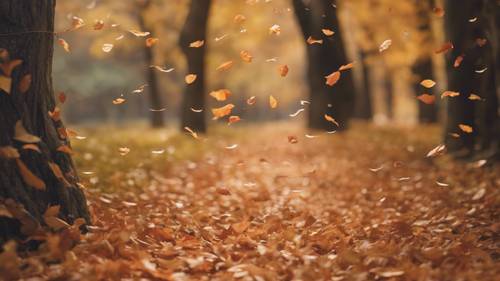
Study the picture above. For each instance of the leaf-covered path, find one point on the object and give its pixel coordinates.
(361, 205)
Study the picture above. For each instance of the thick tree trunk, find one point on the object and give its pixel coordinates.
(462, 79)
(26, 33)
(323, 59)
(155, 99)
(195, 28)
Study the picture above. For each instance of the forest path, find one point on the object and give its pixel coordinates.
(361, 204)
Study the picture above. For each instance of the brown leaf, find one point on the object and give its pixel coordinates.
(8, 152)
(33, 147)
(8, 66)
(438, 11)
(28, 177)
(346, 66)
(64, 44)
(98, 25)
(458, 61)
(293, 139)
(239, 19)
(5, 84)
(20, 134)
(56, 114)
(240, 227)
(118, 101)
(333, 78)
(151, 41)
(427, 99)
(56, 170)
(56, 223)
(283, 70)
(65, 149)
(444, 48)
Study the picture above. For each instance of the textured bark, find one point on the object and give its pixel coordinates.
(336, 101)
(195, 28)
(155, 100)
(26, 32)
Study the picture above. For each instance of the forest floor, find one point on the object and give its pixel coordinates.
(247, 203)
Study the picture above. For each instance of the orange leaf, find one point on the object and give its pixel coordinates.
(474, 97)
(62, 97)
(251, 100)
(331, 119)
(427, 99)
(310, 40)
(119, 101)
(239, 18)
(8, 67)
(64, 44)
(65, 149)
(190, 78)
(450, 94)
(458, 61)
(283, 70)
(98, 25)
(428, 83)
(151, 41)
(333, 78)
(233, 119)
(327, 32)
(225, 66)
(222, 111)
(273, 103)
(197, 44)
(346, 66)
(444, 48)
(56, 114)
(221, 95)
(240, 227)
(31, 146)
(466, 128)
(28, 177)
(438, 11)
(292, 139)
(246, 56)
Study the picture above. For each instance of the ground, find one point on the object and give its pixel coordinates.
(361, 205)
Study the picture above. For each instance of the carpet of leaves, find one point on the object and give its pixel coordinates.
(362, 205)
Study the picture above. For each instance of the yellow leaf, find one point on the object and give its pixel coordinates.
(28, 177)
(333, 78)
(193, 133)
(239, 18)
(273, 102)
(190, 78)
(221, 95)
(5, 84)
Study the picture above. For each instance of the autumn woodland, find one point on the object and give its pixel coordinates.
(249, 140)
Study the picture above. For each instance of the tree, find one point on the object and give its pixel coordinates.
(155, 99)
(36, 170)
(474, 46)
(195, 29)
(324, 59)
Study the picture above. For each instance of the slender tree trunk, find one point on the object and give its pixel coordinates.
(32, 178)
(336, 101)
(155, 99)
(195, 28)
(363, 104)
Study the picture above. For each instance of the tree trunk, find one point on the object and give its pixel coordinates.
(155, 99)
(462, 79)
(194, 29)
(26, 33)
(363, 104)
(323, 59)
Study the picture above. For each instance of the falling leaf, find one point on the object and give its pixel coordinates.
(158, 151)
(310, 136)
(225, 66)
(273, 102)
(346, 66)
(427, 83)
(65, 149)
(442, 184)
(190, 78)
(55, 114)
(310, 40)
(377, 169)
(64, 44)
(444, 48)
(479, 71)
(333, 78)
(438, 150)
(140, 89)
(222, 111)
(107, 47)
(275, 29)
(20, 134)
(231, 147)
(118, 101)
(196, 110)
(296, 113)
(327, 32)
(233, 119)
(119, 37)
(331, 119)
(438, 11)
(162, 69)
(25, 83)
(98, 25)
(239, 19)
(220, 95)
(458, 61)
(427, 99)
(473, 19)
(61, 97)
(246, 56)
(385, 45)
(157, 109)
(251, 100)
(450, 94)
(474, 97)
(193, 133)
(138, 33)
(293, 139)
(5, 84)
(76, 23)
(197, 44)
(283, 70)
(466, 128)
(217, 39)
(151, 41)
(123, 150)
(28, 176)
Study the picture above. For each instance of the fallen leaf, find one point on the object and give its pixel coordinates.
(466, 128)
(296, 113)
(223, 191)
(222, 111)
(225, 66)
(273, 102)
(197, 44)
(193, 133)
(162, 69)
(428, 83)
(444, 48)
(293, 139)
(190, 78)
(76, 23)
(333, 78)
(427, 99)
(438, 150)
(220, 95)
(231, 147)
(56, 223)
